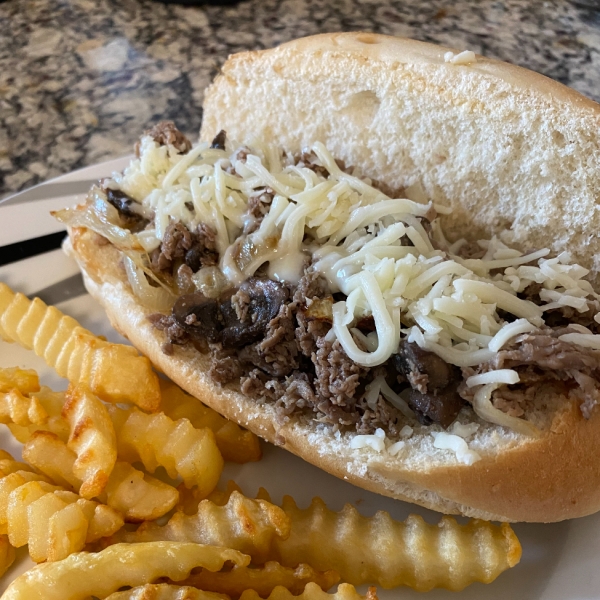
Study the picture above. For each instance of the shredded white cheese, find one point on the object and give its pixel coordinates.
(371, 247)
(588, 340)
(376, 441)
(406, 431)
(395, 448)
(466, 57)
(448, 441)
(464, 430)
(499, 376)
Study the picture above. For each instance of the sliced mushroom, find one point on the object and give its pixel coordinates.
(425, 371)
(434, 384)
(265, 300)
(441, 406)
(199, 316)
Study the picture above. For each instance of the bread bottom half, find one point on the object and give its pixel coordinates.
(547, 479)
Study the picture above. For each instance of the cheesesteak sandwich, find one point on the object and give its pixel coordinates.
(381, 257)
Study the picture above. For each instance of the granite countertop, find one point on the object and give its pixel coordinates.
(81, 79)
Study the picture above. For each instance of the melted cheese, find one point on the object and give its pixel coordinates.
(372, 248)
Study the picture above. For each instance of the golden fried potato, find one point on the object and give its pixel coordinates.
(56, 527)
(157, 441)
(52, 403)
(136, 495)
(92, 437)
(164, 591)
(9, 465)
(49, 454)
(236, 444)
(114, 372)
(190, 498)
(100, 574)
(16, 509)
(21, 410)
(261, 579)
(7, 554)
(8, 484)
(312, 591)
(24, 380)
(247, 525)
(55, 522)
(389, 553)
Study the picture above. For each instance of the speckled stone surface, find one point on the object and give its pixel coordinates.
(80, 79)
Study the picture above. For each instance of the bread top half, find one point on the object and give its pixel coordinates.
(512, 152)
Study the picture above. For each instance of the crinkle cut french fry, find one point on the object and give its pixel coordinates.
(136, 495)
(8, 484)
(312, 591)
(52, 403)
(189, 499)
(114, 372)
(100, 574)
(158, 441)
(7, 554)
(9, 465)
(92, 437)
(389, 553)
(261, 579)
(236, 444)
(24, 380)
(247, 525)
(139, 496)
(54, 522)
(49, 454)
(164, 591)
(21, 410)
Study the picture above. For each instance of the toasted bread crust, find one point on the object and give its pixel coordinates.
(552, 478)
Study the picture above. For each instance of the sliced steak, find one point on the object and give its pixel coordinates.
(177, 240)
(539, 358)
(166, 133)
(277, 353)
(337, 376)
(196, 249)
(224, 366)
(259, 204)
(203, 252)
(543, 349)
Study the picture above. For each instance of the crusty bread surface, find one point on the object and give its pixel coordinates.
(505, 148)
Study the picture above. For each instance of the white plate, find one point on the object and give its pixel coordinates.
(559, 561)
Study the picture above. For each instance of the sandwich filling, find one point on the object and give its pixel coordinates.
(329, 294)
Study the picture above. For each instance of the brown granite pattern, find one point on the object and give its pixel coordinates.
(80, 79)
